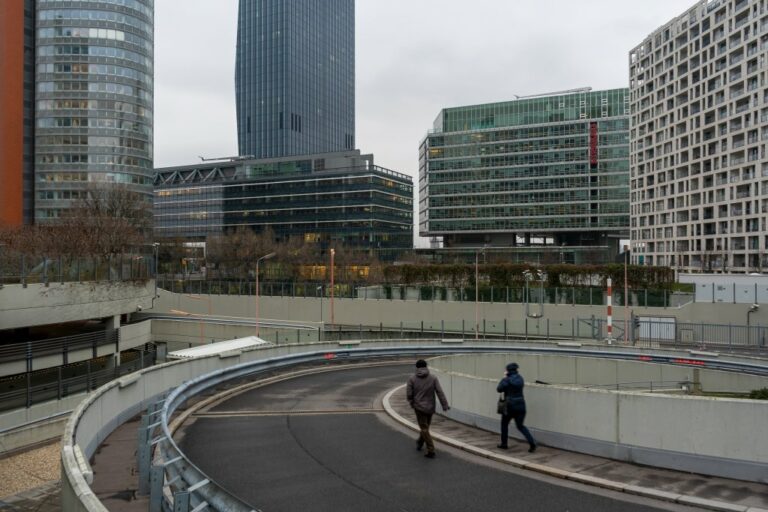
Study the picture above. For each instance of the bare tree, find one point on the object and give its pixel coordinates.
(108, 220)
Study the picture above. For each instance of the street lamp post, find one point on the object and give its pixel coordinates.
(265, 257)
(333, 255)
(156, 247)
(477, 291)
(477, 296)
(626, 296)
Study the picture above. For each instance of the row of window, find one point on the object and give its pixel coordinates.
(502, 173)
(534, 132)
(531, 185)
(84, 158)
(104, 87)
(111, 105)
(95, 69)
(529, 211)
(145, 9)
(527, 159)
(526, 147)
(93, 177)
(96, 33)
(545, 224)
(93, 15)
(94, 51)
(82, 140)
(94, 122)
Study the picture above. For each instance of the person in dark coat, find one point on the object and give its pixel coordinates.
(512, 387)
(420, 391)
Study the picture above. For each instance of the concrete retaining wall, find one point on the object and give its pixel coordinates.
(714, 436)
(38, 304)
(412, 312)
(24, 427)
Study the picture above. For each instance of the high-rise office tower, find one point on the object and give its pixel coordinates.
(295, 77)
(699, 130)
(79, 81)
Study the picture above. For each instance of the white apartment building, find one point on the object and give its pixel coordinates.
(699, 128)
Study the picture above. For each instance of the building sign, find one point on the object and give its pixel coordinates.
(593, 144)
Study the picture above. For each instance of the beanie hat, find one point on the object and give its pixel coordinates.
(512, 367)
(421, 363)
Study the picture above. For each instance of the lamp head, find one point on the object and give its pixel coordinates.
(754, 307)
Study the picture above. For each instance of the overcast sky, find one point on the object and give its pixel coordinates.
(414, 57)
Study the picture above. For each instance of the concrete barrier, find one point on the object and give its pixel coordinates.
(712, 436)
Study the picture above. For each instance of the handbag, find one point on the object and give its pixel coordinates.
(501, 405)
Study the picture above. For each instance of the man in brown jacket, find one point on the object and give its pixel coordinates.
(421, 390)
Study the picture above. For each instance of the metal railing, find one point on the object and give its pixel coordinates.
(27, 389)
(586, 296)
(28, 350)
(24, 269)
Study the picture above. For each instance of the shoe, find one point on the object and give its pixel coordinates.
(430, 455)
(419, 445)
(532, 448)
(502, 446)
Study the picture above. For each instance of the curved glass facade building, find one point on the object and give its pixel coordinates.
(93, 99)
(295, 77)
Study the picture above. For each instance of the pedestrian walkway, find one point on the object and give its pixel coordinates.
(706, 492)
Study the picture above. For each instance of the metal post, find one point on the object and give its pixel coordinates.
(462, 328)
(29, 390)
(526, 328)
(144, 455)
(547, 329)
(156, 489)
(442, 328)
(573, 330)
(505, 328)
(422, 328)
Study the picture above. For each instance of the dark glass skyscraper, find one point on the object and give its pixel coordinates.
(295, 77)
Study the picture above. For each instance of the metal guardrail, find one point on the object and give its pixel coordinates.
(191, 489)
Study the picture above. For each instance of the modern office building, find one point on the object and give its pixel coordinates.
(541, 178)
(333, 199)
(77, 98)
(295, 77)
(699, 129)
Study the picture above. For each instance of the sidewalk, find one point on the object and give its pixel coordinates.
(707, 492)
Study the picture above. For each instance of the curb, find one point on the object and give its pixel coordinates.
(646, 492)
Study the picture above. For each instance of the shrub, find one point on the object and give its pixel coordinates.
(759, 394)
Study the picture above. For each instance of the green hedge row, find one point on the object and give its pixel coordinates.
(505, 274)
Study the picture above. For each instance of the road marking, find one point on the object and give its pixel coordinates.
(255, 414)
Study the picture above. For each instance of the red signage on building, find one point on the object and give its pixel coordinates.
(593, 144)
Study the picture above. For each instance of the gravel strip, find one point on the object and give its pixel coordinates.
(30, 469)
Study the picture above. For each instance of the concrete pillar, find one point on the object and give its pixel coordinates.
(110, 324)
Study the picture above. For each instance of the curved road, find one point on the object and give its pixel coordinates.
(321, 442)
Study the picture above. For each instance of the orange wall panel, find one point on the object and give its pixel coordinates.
(11, 112)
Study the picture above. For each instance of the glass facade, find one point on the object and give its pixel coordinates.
(93, 99)
(314, 198)
(295, 77)
(551, 167)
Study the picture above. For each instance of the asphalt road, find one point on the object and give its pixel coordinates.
(320, 443)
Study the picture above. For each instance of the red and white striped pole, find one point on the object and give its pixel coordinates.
(610, 311)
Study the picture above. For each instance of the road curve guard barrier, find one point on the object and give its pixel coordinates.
(162, 389)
